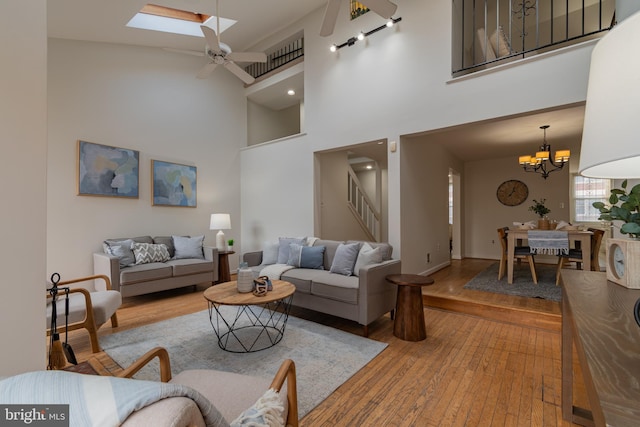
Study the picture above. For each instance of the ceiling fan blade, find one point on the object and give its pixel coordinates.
(384, 8)
(187, 52)
(330, 17)
(239, 72)
(206, 70)
(212, 39)
(248, 56)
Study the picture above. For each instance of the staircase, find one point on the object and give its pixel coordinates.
(363, 209)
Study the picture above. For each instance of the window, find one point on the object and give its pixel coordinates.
(585, 192)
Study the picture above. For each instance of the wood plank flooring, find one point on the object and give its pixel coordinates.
(488, 359)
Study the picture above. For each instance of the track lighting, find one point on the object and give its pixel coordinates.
(352, 40)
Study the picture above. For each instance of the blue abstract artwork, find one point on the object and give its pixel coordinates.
(173, 184)
(107, 171)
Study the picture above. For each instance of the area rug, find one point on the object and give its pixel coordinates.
(325, 357)
(523, 285)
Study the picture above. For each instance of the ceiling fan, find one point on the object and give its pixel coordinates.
(384, 8)
(220, 53)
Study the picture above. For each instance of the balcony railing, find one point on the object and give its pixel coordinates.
(490, 32)
(283, 55)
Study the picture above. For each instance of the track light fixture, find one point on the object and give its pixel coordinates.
(352, 40)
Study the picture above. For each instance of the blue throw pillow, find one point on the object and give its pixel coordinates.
(306, 256)
(345, 258)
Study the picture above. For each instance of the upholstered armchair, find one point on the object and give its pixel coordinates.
(88, 309)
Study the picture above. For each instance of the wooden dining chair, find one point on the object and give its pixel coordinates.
(521, 252)
(575, 255)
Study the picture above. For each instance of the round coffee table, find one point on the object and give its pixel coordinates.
(257, 323)
(409, 318)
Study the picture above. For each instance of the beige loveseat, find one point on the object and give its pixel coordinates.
(131, 278)
(362, 295)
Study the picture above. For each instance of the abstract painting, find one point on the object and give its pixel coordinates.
(173, 184)
(107, 171)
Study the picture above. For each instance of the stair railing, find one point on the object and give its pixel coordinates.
(363, 209)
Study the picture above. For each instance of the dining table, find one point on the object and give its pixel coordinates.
(517, 234)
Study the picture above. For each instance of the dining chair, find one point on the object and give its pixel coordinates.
(520, 252)
(575, 255)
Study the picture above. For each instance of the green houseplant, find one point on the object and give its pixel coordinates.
(539, 208)
(628, 211)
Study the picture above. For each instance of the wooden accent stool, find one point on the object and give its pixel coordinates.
(409, 317)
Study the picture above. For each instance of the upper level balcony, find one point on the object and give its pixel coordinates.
(487, 33)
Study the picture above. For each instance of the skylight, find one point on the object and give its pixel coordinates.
(168, 20)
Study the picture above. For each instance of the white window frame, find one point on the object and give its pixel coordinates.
(574, 198)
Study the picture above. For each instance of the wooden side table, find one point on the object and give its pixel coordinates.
(224, 275)
(409, 317)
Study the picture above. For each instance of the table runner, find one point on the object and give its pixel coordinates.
(548, 242)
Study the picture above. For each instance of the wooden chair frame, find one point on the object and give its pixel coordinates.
(596, 242)
(286, 372)
(88, 322)
(502, 232)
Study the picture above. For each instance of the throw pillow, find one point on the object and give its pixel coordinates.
(366, 256)
(188, 247)
(267, 411)
(122, 250)
(306, 256)
(345, 258)
(270, 253)
(150, 252)
(283, 247)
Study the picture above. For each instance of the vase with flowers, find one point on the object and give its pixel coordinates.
(541, 210)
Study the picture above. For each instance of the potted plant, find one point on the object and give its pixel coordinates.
(541, 210)
(230, 245)
(628, 211)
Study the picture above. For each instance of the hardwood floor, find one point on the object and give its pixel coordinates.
(488, 359)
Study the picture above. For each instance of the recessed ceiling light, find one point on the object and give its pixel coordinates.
(291, 92)
(369, 167)
(176, 21)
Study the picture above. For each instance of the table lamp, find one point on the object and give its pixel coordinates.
(610, 137)
(220, 221)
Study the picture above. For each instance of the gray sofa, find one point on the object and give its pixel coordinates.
(363, 296)
(137, 279)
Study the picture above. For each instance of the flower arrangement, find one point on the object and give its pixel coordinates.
(539, 208)
(628, 211)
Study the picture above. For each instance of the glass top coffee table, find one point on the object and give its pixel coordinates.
(245, 323)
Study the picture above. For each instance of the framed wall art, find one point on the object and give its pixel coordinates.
(173, 184)
(107, 171)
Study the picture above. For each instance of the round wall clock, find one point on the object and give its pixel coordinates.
(512, 192)
(623, 262)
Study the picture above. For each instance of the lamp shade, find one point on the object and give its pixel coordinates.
(220, 221)
(610, 136)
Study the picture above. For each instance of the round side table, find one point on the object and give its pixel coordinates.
(409, 317)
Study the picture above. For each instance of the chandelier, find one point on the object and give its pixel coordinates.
(542, 162)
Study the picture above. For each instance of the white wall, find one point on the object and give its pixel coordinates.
(265, 124)
(371, 91)
(148, 100)
(23, 136)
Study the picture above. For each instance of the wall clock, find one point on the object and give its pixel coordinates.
(512, 192)
(623, 262)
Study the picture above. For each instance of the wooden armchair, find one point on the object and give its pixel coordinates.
(88, 310)
(230, 393)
